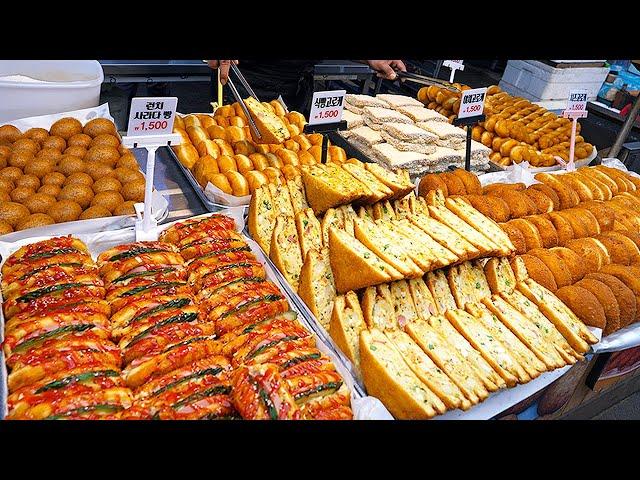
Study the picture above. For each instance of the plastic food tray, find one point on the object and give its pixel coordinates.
(364, 407)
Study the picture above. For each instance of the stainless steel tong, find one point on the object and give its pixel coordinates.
(236, 95)
(424, 80)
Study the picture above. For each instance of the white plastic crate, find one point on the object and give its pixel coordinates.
(40, 87)
(538, 81)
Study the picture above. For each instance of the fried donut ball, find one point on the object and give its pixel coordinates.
(39, 167)
(12, 213)
(9, 134)
(54, 178)
(65, 211)
(134, 191)
(103, 154)
(128, 161)
(26, 145)
(125, 208)
(107, 183)
(19, 158)
(82, 194)
(35, 220)
(66, 128)
(5, 228)
(56, 143)
(106, 139)
(109, 200)
(37, 134)
(20, 194)
(79, 140)
(49, 189)
(80, 178)
(39, 203)
(99, 126)
(29, 181)
(96, 211)
(69, 164)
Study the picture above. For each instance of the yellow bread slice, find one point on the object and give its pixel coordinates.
(309, 231)
(422, 298)
(346, 324)
(448, 360)
(440, 290)
(377, 308)
(402, 301)
(519, 269)
(446, 237)
(354, 266)
(387, 377)
(397, 183)
(551, 334)
(386, 247)
(379, 191)
(489, 377)
(425, 250)
(492, 350)
(525, 330)
(271, 127)
(383, 211)
(331, 218)
(262, 217)
(427, 371)
(525, 357)
(297, 195)
(568, 324)
(316, 288)
(348, 216)
(467, 283)
(325, 187)
(281, 199)
(499, 275)
(422, 256)
(481, 223)
(473, 236)
(285, 250)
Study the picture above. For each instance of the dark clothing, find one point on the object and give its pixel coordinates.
(293, 79)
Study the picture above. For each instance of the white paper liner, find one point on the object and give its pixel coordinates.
(364, 408)
(557, 166)
(159, 205)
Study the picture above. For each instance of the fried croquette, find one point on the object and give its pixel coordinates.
(539, 272)
(546, 230)
(607, 300)
(624, 296)
(529, 231)
(584, 304)
(573, 261)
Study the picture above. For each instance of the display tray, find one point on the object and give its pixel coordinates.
(364, 407)
(160, 205)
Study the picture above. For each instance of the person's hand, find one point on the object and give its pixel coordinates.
(387, 68)
(224, 65)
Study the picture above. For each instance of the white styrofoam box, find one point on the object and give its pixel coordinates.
(537, 81)
(39, 87)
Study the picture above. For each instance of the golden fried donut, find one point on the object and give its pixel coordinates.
(584, 304)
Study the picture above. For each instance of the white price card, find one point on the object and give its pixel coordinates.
(152, 115)
(326, 107)
(472, 102)
(576, 104)
(454, 64)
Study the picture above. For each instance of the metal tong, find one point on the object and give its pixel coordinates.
(424, 80)
(234, 91)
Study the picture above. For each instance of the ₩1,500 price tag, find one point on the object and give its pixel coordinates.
(326, 107)
(472, 102)
(576, 104)
(152, 115)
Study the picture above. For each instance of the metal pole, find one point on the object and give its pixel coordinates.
(624, 131)
(467, 157)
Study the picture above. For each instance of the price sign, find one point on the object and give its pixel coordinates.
(326, 107)
(472, 102)
(576, 104)
(454, 64)
(152, 116)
